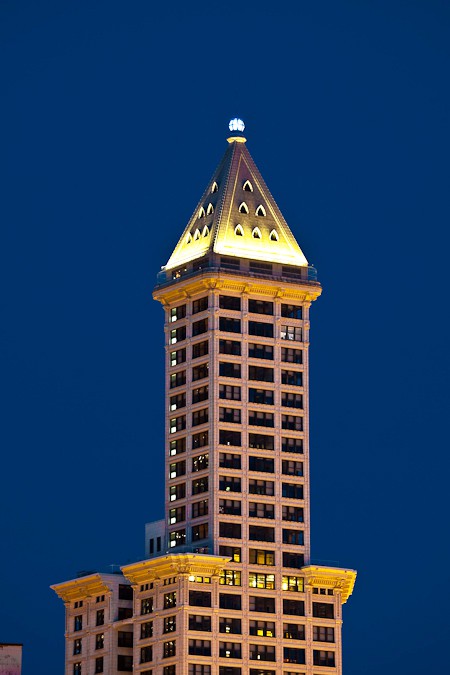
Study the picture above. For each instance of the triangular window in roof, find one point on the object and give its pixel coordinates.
(274, 235)
(188, 238)
(238, 231)
(260, 211)
(247, 187)
(201, 212)
(256, 233)
(205, 232)
(243, 208)
(214, 187)
(210, 209)
(197, 234)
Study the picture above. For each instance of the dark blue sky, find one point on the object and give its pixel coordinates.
(113, 117)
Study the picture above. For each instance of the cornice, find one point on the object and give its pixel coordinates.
(332, 577)
(171, 565)
(78, 589)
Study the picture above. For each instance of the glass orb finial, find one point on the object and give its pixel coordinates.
(236, 125)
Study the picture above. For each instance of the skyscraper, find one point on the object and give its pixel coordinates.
(228, 586)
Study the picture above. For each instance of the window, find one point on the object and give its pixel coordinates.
(199, 508)
(78, 622)
(230, 347)
(228, 461)
(230, 302)
(169, 649)
(322, 658)
(200, 305)
(323, 610)
(231, 552)
(170, 600)
(260, 307)
(177, 538)
(146, 654)
(294, 445)
(147, 606)
(293, 655)
(259, 671)
(258, 556)
(260, 373)
(230, 578)
(229, 484)
(230, 530)
(214, 188)
(256, 351)
(167, 670)
(229, 263)
(262, 628)
(256, 233)
(289, 400)
(238, 231)
(291, 311)
(294, 607)
(256, 510)
(200, 394)
(260, 329)
(261, 487)
(199, 327)
(247, 187)
(77, 646)
(77, 668)
(100, 598)
(177, 492)
(292, 377)
(200, 349)
(146, 630)
(230, 507)
(199, 647)
(264, 464)
(292, 422)
(200, 440)
(200, 417)
(292, 513)
(291, 468)
(229, 601)
(289, 355)
(202, 623)
(177, 469)
(200, 598)
(261, 419)
(210, 209)
(273, 235)
(229, 369)
(177, 447)
(262, 652)
(260, 267)
(200, 532)
(260, 533)
(229, 437)
(228, 391)
(177, 335)
(232, 415)
(295, 560)
(256, 580)
(178, 401)
(293, 631)
(200, 485)
(292, 491)
(228, 325)
(323, 634)
(100, 617)
(177, 313)
(230, 650)
(98, 665)
(177, 357)
(295, 537)
(125, 663)
(263, 397)
(260, 211)
(291, 333)
(227, 625)
(200, 372)
(261, 442)
(99, 641)
(293, 584)
(243, 208)
(177, 379)
(229, 670)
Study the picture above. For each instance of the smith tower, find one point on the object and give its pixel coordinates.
(228, 586)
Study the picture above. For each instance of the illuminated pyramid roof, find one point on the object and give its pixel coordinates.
(237, 215)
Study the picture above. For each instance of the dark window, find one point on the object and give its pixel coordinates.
(262, 652)
(202, 623)
(168, 670)
(262, 396)
(199, 327)
(124, 613)
(227, 625)
(291, 468)
(98, 665)
(77, 668)
(260, 351)
(323, 610)
(261, 487)
(232, 552)
(261, 557)
(146, 654)
(229, 437)
(200, 394)
(200, 508)
(293, 631)
(289, 355)
(229, 601)
(260, 533)
(293, 655)
(100, 617)
(199, 669)
(323, 634)
(292, 422)
(200, 485)
(230, 650)
(256, 510)
(177, 313)
(322, 658)
(199, 647)
(146, 630)
(200, 372)
(261, 464)
(294, 607)
(230, 347)
(229, 484)
(229, 369)
(261, 442)
(232, 415)
(200, 599)
(229, 325)
(229, 670)
(263, 671)
(199, 417)
(290, 400)
(291, 311)
(260, 373)
(229, 263)
(177, 379)
(178, 401)
(177, 492)
(292, 377)
(230, 392)
(77, 646)
(292, 491)
(200, 532)
(292, 445)
(230, 302)
(200, 440)
(78, 622)
(293, 513)
(177, 357)
(228, 461)
(200, 349)
(260, 307)
(261, 419)
(125, 663)
(99, 641)
(261, 604)
(200, 305)
(294, 560)
(230, 530)
(231, 507)
(260, 329)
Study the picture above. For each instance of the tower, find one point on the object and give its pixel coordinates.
(228, 587)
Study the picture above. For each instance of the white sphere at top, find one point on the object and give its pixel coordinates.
(236, 125)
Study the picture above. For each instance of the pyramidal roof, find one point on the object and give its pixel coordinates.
(237, 216)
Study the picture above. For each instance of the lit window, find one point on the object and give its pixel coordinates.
(256, 233)
(238, 231)
(274, 235)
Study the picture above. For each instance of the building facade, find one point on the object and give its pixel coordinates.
(228, 587)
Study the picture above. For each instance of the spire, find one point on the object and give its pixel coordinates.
(237, 215)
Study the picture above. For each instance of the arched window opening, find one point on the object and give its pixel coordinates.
(214, 187)
(248, 187)
(256, 233)
(197, 234)
(205, 232)
(201, 212)
(274, 235)
(238, 231)
(189, 238)
(260, 211)
(210, 209)
(243, 208)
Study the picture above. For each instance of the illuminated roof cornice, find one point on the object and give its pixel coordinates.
(225, 205)
(171, 565)
(331, 577)
(77, 589)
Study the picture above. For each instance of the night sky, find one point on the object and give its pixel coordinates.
(113, 118)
